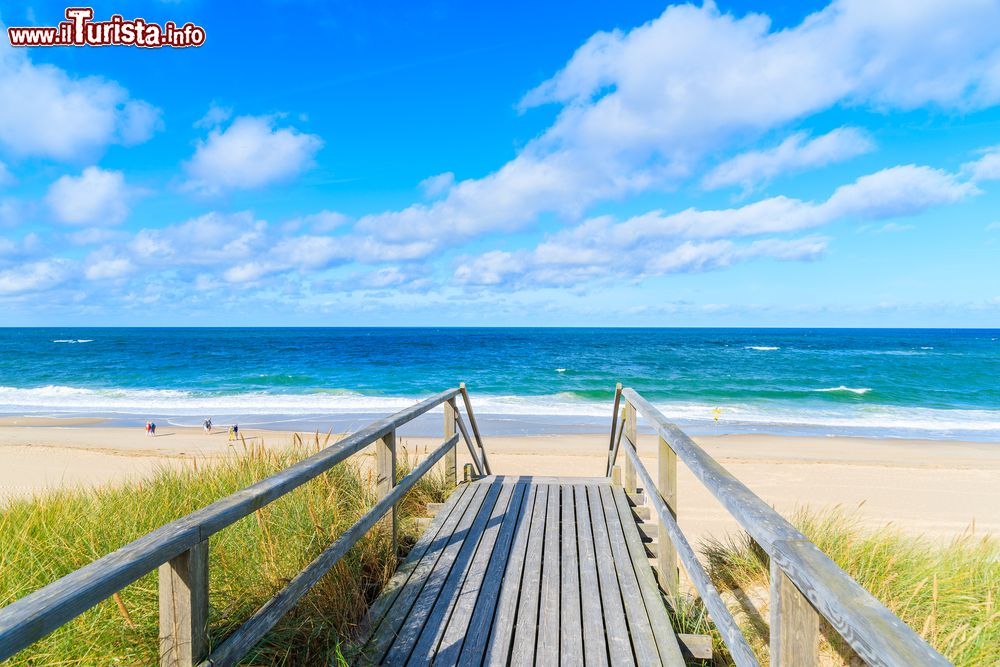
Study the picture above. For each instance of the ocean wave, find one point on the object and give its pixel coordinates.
(74, 341)
(774, 415)
(762, 348)
(861, 391)
(560, 370)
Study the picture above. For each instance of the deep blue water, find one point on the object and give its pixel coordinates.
(932, 383)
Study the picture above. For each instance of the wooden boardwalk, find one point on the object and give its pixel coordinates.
(525, 570)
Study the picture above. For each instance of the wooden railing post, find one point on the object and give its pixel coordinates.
(630, 433)
(794, 624)
(451, 457)
(183, 583)
(385, 457)
(666, 557)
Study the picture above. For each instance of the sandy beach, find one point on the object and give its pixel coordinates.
(936, 488)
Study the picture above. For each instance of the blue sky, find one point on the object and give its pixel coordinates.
(446, 163)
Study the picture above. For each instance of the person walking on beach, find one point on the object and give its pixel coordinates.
(148, 424)
(208, 425)
(234, 432)
(152, 429)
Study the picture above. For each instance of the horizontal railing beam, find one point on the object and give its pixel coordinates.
(874, 632)
(27, 620)
(737, 644)
(253, 630)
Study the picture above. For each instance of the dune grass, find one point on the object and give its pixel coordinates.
(47, 537)
(946, 592)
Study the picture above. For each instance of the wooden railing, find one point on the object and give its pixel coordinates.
(805, 584)
(180, 548)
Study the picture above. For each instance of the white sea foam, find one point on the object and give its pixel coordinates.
(762, 348)
(853, 390)
(889, 419)
(74, 341)
(560, 370)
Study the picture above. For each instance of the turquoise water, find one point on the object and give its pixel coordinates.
(928, 383)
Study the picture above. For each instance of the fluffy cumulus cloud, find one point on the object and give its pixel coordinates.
(796, 153)
(644, 108)
(62, 117)
(699, 240)
(34, 277)
(95, 197)
(251, 152)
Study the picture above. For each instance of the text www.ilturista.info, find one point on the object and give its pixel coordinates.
(81, 30)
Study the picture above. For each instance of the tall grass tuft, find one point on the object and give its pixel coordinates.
(946, 592)
(49, 536)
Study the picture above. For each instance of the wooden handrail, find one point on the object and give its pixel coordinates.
(27, 620)
(877, 635)
(475, 428)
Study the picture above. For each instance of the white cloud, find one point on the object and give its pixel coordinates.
(62, 117)
(645, 108)
(434, 186)
(216, 115)
(892, 227)
(34, 276)
(751, 169)
(249, 153)
(104, 266)
(701, 240)
(210, 239)
(96, 197)
(985, 168)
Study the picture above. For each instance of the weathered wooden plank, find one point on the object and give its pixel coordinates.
(397, 608)
(385, 467)
(743, 656)
(612, 444)
(547, 648)
(663, 634)
(525, 631)
(595, 650)
(695, 647)
(501, 636)
(875, 633)
(243, 638)
(183, 592)
(32, 617)
(450, 428)
(413, 623)
(570, 616)
(643, 643)
(409, 565)
(666, 555)
(473, 452)
(436, 620)
(480, 625)
(632, 440)
(794, 624)
(619, 647)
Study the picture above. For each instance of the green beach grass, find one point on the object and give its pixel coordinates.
(47, 537)
(947, 592)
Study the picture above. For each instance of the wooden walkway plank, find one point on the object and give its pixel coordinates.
(547, 647)
(464, 604)
(426, 614)
(525, 632)
(595, 649)
(481, 622)
(643, 644)
(619, 646)
(402, 598)
(409, 564)
(503, 623)
(570, 624)
(436, 619)
(408, 618)
(663, 632)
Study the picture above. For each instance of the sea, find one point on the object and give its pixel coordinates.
(891, 383)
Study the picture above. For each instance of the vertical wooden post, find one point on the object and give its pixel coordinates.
(630, 433)
(794, 624)
(616, 475)
(385, 458)
(183, 583)
(666, 557)
(451, 456)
